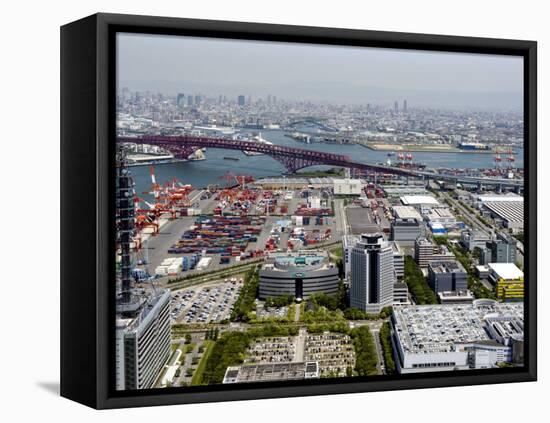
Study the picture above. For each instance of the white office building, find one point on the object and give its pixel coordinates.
(372, 274)
(143, 344)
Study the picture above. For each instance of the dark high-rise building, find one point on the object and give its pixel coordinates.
(241, 100)
(503, 249)
(189, 100)
(142, 319)
(197, 99)
(396, 107)
(372, 274)
(404, 106)
(180, 100)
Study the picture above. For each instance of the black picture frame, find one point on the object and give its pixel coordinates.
(87, 223)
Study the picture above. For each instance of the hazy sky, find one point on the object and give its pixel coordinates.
(172, 64)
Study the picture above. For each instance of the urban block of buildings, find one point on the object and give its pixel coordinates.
(457, 337)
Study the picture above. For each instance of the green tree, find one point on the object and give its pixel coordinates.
(417, 283)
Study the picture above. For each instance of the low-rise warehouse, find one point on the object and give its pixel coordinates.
(510, 212)
(270, 372)
(431, 338)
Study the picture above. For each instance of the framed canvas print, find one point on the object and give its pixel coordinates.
(258, 211)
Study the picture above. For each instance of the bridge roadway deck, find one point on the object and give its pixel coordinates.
(297, 158)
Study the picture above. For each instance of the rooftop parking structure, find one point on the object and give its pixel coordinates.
(207, 304)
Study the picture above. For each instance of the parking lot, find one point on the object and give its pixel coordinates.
(333, 351)
(210, 303)
(272, 350)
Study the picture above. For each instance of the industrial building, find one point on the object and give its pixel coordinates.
(440, 215)
(456, 297)
(372, 274)
(299, 273)
(420, 202)
(508, 281)
(426, 251)
(472, 238)
(447, 275)
(509, 213)
(499, 198)
(270, 372)
(347, 186)
(143, 343)
(406, 212)
(395, 192)
(282, 183)
(405, 231)
(429, 338)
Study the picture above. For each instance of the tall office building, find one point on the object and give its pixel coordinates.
(503, 249)
(180, 101)
(396, 107)
(142, 319)
(143, 343)
(241, 100)
(198, 99)
(404, 106)
(372, 274)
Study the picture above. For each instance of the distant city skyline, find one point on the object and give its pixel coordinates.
(318, 73)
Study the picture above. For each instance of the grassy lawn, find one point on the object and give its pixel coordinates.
(197, 377)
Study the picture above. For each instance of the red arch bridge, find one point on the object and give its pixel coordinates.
(291, 158)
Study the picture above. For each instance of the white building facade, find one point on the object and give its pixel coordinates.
(372, 274)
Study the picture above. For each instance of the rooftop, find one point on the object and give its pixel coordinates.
(425, 329)
(510, 197)
(447, 266)
(271, 372)
(312, 259)
(506, 270)
(511, 211)
(418, 200)
(406, 212)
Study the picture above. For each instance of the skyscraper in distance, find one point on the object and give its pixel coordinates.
(372, 274)
(396, 107)
(180, 101)
(241, 100)
(405, 106)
